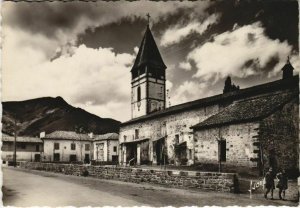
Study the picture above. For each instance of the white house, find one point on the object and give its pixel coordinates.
(67, 146)
(27, 148)
(106, 147)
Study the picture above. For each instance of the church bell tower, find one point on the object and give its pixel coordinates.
(148, 82)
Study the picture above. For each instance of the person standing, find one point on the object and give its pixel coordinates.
(282, 183)
(269, 183)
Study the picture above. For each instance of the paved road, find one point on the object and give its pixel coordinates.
(29, 188)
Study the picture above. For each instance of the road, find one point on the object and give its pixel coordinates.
(37, 188)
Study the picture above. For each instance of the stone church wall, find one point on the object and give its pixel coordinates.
(169, 126)
(274, 138)
(239, 144)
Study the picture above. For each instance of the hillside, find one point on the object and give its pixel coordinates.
(49, 114)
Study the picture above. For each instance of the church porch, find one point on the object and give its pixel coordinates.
(135, 152)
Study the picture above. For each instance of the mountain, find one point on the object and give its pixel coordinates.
(50, 114)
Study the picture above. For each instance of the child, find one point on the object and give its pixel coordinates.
(269, 183)
(282, 183)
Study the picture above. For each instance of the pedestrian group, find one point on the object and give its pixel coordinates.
(282, 184)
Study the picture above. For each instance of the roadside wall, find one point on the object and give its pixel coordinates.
(223, 182)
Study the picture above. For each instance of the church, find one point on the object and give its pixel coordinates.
(240, 130)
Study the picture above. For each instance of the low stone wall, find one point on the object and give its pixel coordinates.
(224, 182)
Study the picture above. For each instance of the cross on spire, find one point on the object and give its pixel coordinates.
(148, 16)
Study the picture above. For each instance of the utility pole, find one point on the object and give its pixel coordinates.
(219, 155)
(15, 143)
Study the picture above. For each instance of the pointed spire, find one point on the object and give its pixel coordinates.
(148, 16)
(148, 54)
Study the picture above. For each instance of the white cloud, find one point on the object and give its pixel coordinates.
(188, 91)
(97, 80)
(88, 15)
(90, 78)
(177, 33)
(229, 52)
(185, 65)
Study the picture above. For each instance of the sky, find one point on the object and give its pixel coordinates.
(84, 51)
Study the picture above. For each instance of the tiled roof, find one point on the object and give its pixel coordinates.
(148, 53)
(248, 110)
(68, 135)
(230, 96)
(108, 136)
(7, 138)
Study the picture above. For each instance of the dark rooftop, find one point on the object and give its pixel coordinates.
(108, 136)
(67, 135)
(148, 53)
(250, 109)
(25, 139)
(270, 87)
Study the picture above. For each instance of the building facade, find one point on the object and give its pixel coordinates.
(173, 135)
(106, 147)
(253, 134)
(67, 146)
(27, 148)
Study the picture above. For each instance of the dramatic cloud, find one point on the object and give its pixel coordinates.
(64, 21)
(83, 51)
(90, 78)
(177, 33)
(41, 43)
(242, 52)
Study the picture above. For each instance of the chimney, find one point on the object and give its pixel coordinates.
(229, 86)
(42, 134)
(91, 135)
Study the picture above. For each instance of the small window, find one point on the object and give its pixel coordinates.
(177, 139)
(125, 137)
(73, 146)
(56, 156)
(136, 134)
(222, 144)
(139, 94)
(37, 148)
(87, 147)
(56, 146)
(115, 148)
(73, 158)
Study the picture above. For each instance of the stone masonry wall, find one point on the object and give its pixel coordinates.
(169, 126)
(239, 144)
(223, 182)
